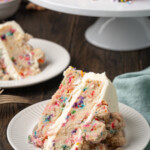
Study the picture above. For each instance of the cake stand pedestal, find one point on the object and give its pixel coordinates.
(122, 26)
(120, 33)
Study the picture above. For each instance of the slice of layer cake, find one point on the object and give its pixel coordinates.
(89, 118)
(18, 59)
(53, 110)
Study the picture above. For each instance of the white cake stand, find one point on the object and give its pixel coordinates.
(122, 26)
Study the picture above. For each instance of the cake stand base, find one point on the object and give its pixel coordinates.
(120, 34)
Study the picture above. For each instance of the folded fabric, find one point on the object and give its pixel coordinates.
(133, 89)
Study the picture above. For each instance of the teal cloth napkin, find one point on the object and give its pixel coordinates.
(133, 89)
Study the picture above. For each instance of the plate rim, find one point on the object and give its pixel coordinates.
(46, 101)
(43, 79)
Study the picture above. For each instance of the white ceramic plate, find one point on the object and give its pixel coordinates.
(137, 129)
(98, 8)
(57, 59)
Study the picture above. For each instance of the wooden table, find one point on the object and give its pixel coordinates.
(68, 31)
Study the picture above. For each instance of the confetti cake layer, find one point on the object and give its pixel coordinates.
(82, 115)
(18, 59)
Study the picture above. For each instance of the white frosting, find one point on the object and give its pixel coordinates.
(108, 94)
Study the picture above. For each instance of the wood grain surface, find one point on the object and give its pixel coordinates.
(68, 31)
